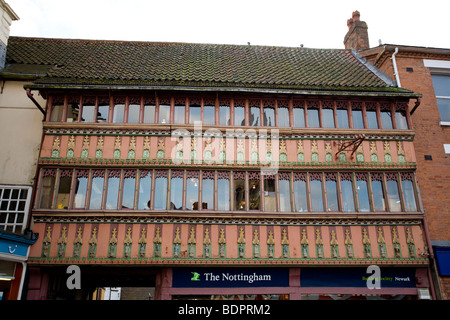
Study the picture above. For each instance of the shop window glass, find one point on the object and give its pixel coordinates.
(164, 113)
(65, 181)
(299, 117)
(179, 114)
(393, 195)
(224, 115)
(87, 114)
(129, 187)
(192, 191)
(223, 194)
(57, 113)
(409, 195)
(239, 190)
(348, 202)
(103, 113)
(208, 191)
(342, 118)
(239, 116)
(372, 121)
(145, 187)
(118, 114)
(358, 121)
(255, 115)
(160, 190)
(269, 117)
(328, 118)
(313, 118)
(378, 195)
(332, 199)
(283, 117)
(195, 114)
(284, 191)
(149, 113)
(176, 190)
(133, 113)
(80, 187)
(113, 190)
(98, 180)
(209, 115)
(300, 196)
(316, 195)
(363, 195)
(270, 203)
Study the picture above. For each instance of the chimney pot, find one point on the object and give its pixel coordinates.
(349, 23)
(357, 37)
(356, 15)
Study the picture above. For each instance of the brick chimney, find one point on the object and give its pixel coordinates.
(357, 37)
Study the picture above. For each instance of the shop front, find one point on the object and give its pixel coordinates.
(303, 283)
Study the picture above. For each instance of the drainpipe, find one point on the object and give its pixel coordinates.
(394, 63)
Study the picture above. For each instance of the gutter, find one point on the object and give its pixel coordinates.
(30, 95)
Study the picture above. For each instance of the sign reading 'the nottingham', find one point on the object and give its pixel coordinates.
(229, 277)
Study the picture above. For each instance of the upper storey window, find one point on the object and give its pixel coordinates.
(327, 113)
(441, 84)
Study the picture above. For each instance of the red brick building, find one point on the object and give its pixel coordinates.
(425, 71)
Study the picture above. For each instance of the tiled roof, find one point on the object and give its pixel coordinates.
(139, 63)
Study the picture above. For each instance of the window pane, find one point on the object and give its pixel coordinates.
(358, 121)
(328, 118)
(179, 115)
(72, 112)
(444, 109)
(239, 116)
(164, 113)
(88, 113)
(400, 119)
(195, 113)
(209, 115)
(239, 194)
(192, 193)
(176, 191)
(119, 110)
(363, 195)
(347, 196)
(316, 195)
(441, 84)
(254, 192)
(62, 201)
(386, 120)
(207, 193)
(342, 118)
(408, 195)
(372, 121)
(224, 115)
(133, 113)
(285, 195)
(80, 192)
(269, 117)
(255, 114)
(113, 190)
(283, 117)
(299, 117)
(332, 200)
(301, 203)
(145, 187)
(223, 194)
(103, 113)
(48, 188)
(394, 199)
(149, 114)
(161, 193)
(313, 118)
(269, 195)
(96, 192)
(378, 196)
(129, 186)
(57, 113)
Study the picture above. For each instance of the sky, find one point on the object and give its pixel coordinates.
(290, 23)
